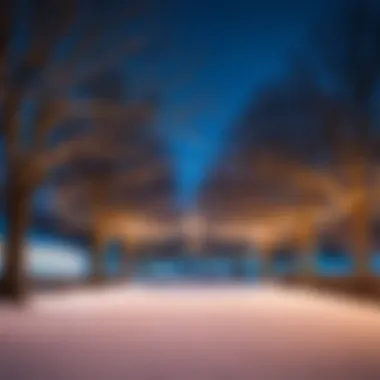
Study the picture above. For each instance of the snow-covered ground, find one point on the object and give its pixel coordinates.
(52, 259)
(55, 260)
(178, 332)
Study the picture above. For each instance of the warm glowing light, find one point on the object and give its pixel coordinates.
(194, 229)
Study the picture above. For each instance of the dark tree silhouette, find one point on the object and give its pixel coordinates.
(95, 195)
(66, 43)
(351, 54)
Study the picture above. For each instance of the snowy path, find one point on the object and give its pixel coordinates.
(190, 333)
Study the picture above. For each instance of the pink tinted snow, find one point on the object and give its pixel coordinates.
(189, 333)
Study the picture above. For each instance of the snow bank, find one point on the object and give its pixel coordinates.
(53, 260)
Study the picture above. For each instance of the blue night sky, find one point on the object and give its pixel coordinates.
(227, 52)
(210, 60)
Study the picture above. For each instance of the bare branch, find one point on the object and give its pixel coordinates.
(104, 109)
(50, 113)
(79, 66)
(141, 176)
(82, 147)
(5, 32)
(32, 66)
(54, 111)
(10, 127)
(44, 41)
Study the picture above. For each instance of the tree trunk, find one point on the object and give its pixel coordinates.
(361, 217)
(238, 267)
(97, 275)
(308, 273)
(361, 240)
(307, 248)
(126, 266)
(361, 221)
(267, 263)
(14, 284)
(127, 261)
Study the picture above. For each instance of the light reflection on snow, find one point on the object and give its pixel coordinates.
(53, 260)
(59, 260)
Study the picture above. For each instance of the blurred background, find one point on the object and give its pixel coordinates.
(189, 141)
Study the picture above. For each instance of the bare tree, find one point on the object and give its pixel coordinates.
(48, 81)
(351, 54)
(102, 201)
